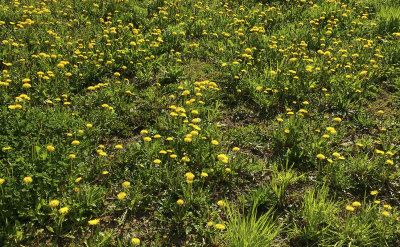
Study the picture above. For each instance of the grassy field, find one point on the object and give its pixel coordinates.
(188, 123)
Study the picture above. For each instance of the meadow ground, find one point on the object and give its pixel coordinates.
(199, 123)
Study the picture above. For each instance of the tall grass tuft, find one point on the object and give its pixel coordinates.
(251, 230)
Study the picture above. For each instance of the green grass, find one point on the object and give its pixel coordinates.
(188, 123)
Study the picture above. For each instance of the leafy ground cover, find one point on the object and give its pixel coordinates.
(199, 123)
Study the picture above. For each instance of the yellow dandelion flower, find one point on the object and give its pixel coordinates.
(223, 158)
(387, 206)
(121, 195)
(94, 222)
(63, 210)
(390, 162)
(204, 175)
(390, 153)
(220, 226)
(26, 85)
(337, 119)
(189, 175)
(135, 241)
(54, 203)
(75, 142)
(27, 180)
